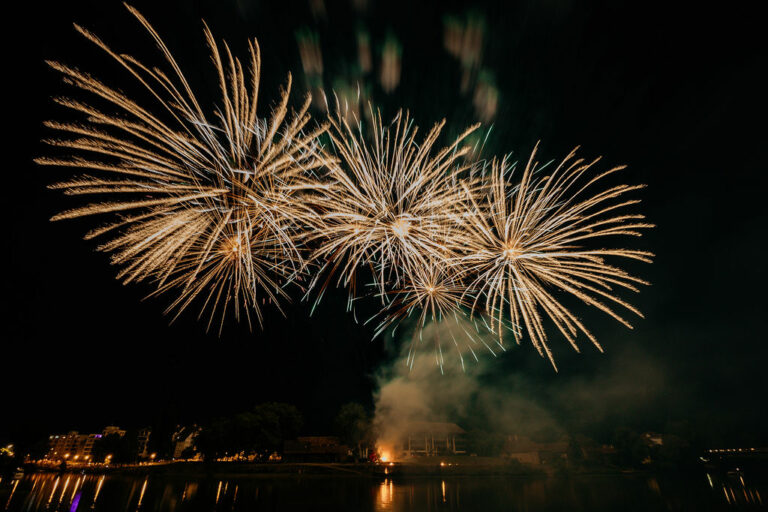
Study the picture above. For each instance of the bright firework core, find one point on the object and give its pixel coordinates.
(234, 248)
(511, 252)
(400, 227)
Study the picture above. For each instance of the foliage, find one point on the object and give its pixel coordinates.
(123, 449)
(355, 427)
(260, 431)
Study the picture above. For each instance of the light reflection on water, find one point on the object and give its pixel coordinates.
(160, 493)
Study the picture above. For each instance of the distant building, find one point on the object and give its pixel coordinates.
(429, 438)
(76, 447)
(315, 449)
(143, 442)
(72, 446)
(184, 438)
(111, 429)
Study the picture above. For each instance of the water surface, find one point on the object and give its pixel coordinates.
(162, 493)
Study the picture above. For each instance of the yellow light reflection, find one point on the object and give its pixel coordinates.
(74, 489)
(218, 492)
(143, 490)
(53, 491)
(386, 490)
(13, 490)
(64, 489)
(98, 490)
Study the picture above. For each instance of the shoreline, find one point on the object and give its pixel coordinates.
(344, 470)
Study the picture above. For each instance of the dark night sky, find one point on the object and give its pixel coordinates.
(675, 93)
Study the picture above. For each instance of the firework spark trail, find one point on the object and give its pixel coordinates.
(216, 199)
(522, 241)
(387, 206)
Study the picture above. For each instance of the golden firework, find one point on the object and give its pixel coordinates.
(519, 243)
(438, 299)
(389, 204)
(212, 202)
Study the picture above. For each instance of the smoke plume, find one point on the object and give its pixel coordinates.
(441, 376)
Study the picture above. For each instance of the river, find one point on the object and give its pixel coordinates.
(163, 493)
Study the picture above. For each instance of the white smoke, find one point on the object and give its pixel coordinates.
(442, 376)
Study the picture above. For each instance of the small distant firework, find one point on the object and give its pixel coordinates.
(311, 56)
(213, 202)
(391, 55)
(486, 97)
(453, 35)
(386, 205)
(463, 39)
(432, 290)
(364, 59)
(520, 242)
(439, 301)
(309, 51)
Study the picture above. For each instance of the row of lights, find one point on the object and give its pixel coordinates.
(728, 450)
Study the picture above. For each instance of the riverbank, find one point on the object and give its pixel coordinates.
(459, 466)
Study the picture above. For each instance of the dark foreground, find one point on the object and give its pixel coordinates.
(72, 492)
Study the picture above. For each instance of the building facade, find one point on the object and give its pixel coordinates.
(72, 446)
(77, 447)
(429, 438)
(184, 438)
(142, 438)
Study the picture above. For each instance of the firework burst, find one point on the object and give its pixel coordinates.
(522, 241)
(389, 205)
(212, 203)
(434, 295)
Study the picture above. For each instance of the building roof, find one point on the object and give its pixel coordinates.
(434, 427)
